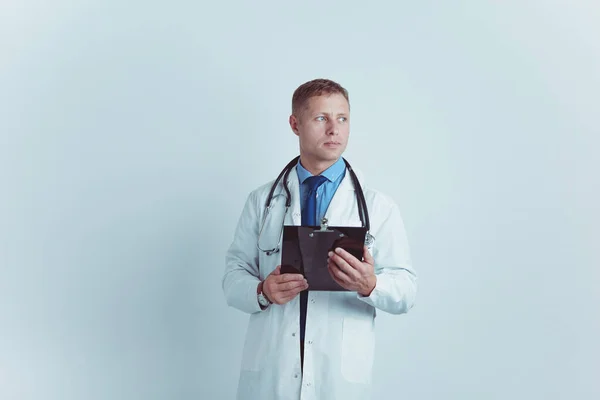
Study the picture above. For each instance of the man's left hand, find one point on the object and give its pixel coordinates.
(351, 273)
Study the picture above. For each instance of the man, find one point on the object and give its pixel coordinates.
(304, 344)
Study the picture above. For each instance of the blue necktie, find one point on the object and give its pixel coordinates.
(309, 218)
(309, 209)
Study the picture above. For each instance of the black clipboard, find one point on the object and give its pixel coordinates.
(304, 251)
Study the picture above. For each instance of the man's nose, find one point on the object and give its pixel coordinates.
(333, 128)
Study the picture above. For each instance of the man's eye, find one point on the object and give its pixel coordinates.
(343, 119)
(321, 118)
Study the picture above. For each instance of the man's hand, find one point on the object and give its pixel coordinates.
(281, 288)
(351, 273)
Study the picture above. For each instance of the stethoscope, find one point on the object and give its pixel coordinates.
(360, 198)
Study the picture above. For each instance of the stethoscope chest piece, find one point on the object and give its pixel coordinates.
(369, 239)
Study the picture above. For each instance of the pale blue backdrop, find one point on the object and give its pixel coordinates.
(132, 131)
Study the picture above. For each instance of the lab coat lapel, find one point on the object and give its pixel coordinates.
(343, 209)
(293, 217)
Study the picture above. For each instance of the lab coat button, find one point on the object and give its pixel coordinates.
(294, 334)
(310, 342)
(295, 375)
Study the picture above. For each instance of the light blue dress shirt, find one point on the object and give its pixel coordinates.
(334, 174)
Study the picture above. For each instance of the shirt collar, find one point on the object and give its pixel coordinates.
(331, 173)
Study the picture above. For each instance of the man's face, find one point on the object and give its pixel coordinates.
(323, 127)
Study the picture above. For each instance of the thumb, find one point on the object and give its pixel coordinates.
(368, 257)
(276, 271)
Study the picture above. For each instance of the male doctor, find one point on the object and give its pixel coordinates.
(303, 344)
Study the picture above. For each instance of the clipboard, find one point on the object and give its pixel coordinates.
(304, 251)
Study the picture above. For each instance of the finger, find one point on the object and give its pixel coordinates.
(345, 266)
(278, 288)
(338, 274)
(287, 295)
(283, 287)
(277, 271)
(289, 278)
(349, 258)
(339, 277)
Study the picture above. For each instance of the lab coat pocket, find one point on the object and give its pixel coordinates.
(255, 346)
(358, 349)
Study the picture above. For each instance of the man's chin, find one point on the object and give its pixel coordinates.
(331, 155)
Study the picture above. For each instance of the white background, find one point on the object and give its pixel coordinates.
(131, 133)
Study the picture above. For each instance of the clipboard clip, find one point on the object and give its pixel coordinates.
(324, 228)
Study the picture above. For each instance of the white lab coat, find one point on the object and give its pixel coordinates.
(340, 337)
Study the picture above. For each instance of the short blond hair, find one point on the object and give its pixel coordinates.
(316, 87)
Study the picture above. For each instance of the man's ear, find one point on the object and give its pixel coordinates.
(294, 124)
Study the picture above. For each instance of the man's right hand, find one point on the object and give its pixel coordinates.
(281, 288)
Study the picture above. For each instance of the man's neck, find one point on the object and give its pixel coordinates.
(315, 167)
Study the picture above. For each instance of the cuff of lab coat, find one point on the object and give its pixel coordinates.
(375, 294)
(252, 297)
